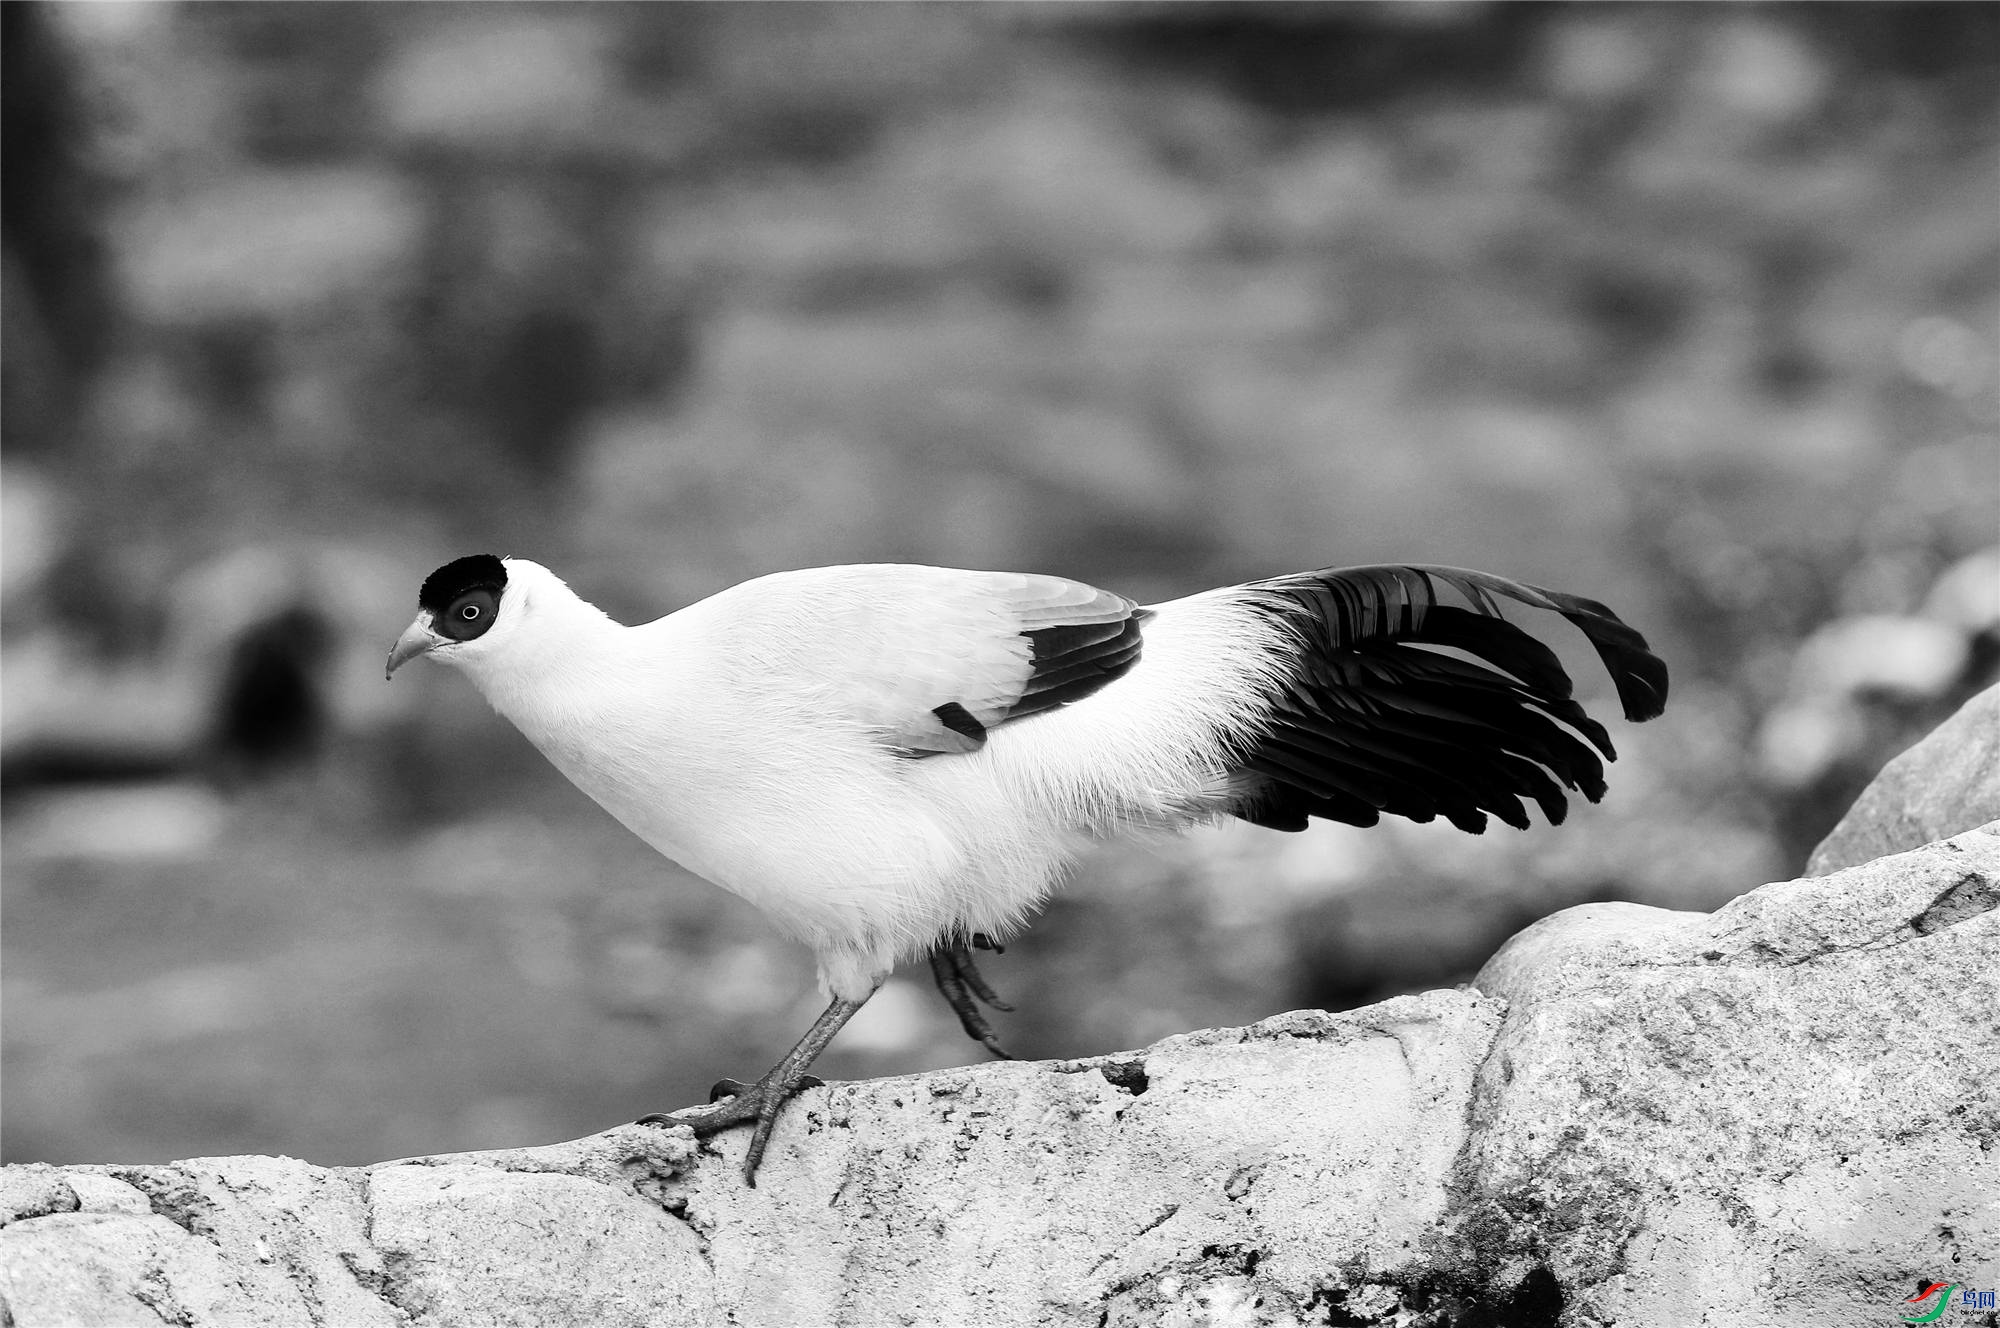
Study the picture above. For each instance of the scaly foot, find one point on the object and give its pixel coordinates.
(733, 1102)
(958, 978)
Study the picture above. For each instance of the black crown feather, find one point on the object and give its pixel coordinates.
(475, 572)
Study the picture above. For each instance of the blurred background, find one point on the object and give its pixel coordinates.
(1691, 309)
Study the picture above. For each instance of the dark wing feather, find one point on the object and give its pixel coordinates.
(1063, 640)
(1373, 718)
(927, 660)
(1072, 661)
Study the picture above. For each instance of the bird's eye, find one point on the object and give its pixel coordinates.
(468, 616)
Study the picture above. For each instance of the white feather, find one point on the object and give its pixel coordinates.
(753, 737)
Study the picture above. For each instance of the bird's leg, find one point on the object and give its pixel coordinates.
(761, 1101)
(958, 978)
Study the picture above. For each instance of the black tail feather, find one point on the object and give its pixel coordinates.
(1639, 675)
(1375, 718)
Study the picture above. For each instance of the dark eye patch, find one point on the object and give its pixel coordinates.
(468, 616)
(444, 587)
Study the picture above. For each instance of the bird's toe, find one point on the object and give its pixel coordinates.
(734, 1102)
(728, 1088)
(959, 981)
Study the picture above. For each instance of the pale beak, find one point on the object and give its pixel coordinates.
(417, 639)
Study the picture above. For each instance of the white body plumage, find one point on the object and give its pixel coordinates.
(760, 738)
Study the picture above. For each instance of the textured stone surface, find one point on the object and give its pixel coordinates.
(572, 1233)
(1230, 1164)
(1784, 1112)
(469, 1244)
(1948, 782)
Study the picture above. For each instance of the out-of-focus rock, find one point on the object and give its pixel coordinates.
(488, 85)
(1859, 682)
(1840, 670)
(1880, 655)
(1779, 1113)
(31, 512)
(1967, 595)
(1948, 782)
(269, 244)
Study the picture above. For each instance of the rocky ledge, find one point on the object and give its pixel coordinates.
(1786, 1111)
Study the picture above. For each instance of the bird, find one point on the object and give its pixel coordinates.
(895, 762)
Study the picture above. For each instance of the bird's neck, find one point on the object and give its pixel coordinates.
(574, 641)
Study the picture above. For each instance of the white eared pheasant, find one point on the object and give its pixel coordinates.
(896, 761)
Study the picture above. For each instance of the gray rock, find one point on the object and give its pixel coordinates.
(1784, 1112)
(1948, 782)
(1212, 1170)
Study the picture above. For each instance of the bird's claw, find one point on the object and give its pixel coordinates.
(737, 1088)
(733, 1102)
(728, 1088)
(963, 988)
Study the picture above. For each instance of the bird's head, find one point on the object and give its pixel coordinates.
(466, 612)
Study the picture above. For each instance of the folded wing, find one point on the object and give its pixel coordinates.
(928, 660)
